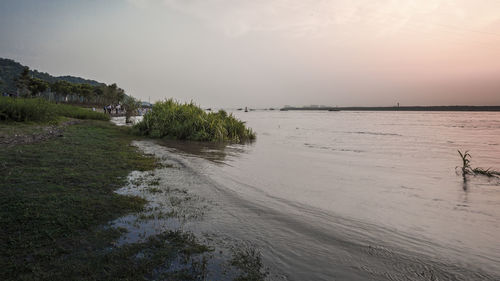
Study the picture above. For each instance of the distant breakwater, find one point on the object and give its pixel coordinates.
(400, 108)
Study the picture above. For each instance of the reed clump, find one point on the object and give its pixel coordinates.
(187, 121)
(41, 110)
(468, 170)
(465, 157)
(486, 172)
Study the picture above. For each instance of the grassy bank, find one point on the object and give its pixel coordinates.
(40, 110)
(187, 121)
(56, 198)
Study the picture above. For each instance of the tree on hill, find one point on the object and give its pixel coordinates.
(23, 83)
(86, 91)
(71, 89)
(10, 70)
(37, 86)
(61, 88)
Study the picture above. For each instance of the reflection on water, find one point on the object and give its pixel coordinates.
(214, 152)
(355, 195)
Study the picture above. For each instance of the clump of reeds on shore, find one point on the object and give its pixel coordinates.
(468, 170)
(188, 121)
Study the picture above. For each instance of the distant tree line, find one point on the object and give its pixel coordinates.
(64, 91)
(10, 70)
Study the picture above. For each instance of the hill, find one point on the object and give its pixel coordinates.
(10, 70)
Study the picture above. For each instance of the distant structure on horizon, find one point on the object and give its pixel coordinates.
(397, 108)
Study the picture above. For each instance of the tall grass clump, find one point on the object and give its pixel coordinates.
(41, 110)
(465, 157)
(26, 110)
(188, 121)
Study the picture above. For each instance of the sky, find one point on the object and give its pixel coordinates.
(267, 53)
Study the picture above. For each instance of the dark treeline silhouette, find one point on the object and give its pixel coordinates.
(20, 81)
(10, 70)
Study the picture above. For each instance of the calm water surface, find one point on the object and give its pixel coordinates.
(357, 195)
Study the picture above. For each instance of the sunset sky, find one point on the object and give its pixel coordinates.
(262, 53)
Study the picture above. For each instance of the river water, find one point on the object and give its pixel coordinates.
(354, 195)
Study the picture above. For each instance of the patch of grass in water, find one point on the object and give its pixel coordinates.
(156, 216)
(154, 182)
(154, 190)
(139, 261)
(248, 260)
(486, 172)
(468, 170)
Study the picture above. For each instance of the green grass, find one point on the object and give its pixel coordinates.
(11, 128)
(56, 198)
(71, 111)
(139, 261)
(41, 110)
(187, 121)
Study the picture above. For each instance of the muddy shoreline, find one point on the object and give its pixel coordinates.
(174, 206)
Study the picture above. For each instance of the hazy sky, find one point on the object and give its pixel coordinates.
(262, 53)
